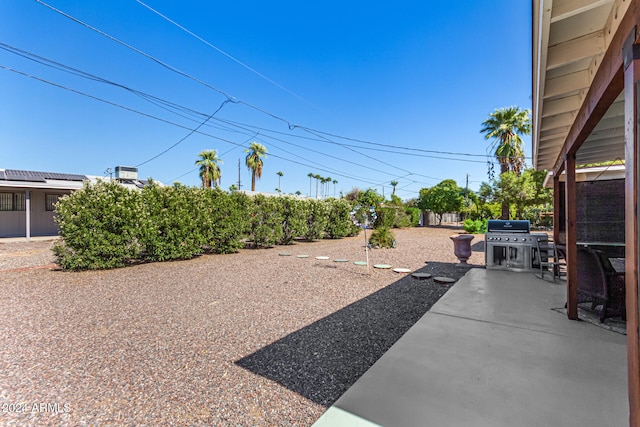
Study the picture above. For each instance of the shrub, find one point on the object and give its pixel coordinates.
(385, 217)
(318, 213)
(99, 226)
(414, 215)
(339, 223)
(170, 228)
(265, 224)
(382, 237)
(294, 219)
(223, 219)
(476, 226)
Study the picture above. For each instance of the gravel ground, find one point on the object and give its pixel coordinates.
(249, 339)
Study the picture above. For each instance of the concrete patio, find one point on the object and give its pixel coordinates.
(496, 350)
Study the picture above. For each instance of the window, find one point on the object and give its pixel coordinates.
(12, 201)
(50, 200)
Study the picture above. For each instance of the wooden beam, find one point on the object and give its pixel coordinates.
(575, 50)
(571, 236)
(632, 112)
(568, 8)
(566, 84)
(605, 88)
(562, 105)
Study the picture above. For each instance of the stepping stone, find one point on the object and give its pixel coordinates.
(402, 270)
(383, 266)
(341, 260)
(421, 276)
(322, 257)
(303, 256)
(284, 254)
(360, 262)
(444, 280)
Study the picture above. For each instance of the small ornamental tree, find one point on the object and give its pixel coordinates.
(442, 198)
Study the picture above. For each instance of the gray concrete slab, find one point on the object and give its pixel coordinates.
(491, 352)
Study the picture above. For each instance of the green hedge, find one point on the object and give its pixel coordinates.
(107, 225)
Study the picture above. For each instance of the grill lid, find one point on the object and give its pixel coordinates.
(505, 226)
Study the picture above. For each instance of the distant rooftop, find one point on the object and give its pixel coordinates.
(34, 176)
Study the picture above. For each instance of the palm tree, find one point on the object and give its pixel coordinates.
(394, 183)
(317, 177)
(254, 162)
(311, 176)
(327, 181)
(505, 127)
(279, 173)
(334, 187)
(210, 172)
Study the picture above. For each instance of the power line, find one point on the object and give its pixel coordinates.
(226, 54)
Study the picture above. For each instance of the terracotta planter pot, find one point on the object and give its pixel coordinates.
(462, 248)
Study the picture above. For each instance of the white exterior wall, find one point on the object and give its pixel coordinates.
(13, 223)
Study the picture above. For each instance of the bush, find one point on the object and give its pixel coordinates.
(99, 226)
(477, 226)
(223, 219)
(265, 224)
(382, 237)
(318, 215)
(170, 228)
(414, 214)
(386, 217)
(294, 219)
(339, 223)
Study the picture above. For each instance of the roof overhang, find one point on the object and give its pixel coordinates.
(570, 40)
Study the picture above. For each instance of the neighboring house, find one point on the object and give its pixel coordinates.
(27, 199)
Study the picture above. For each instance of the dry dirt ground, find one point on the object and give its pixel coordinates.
(249, 339)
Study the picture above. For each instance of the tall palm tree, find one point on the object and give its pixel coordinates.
(318, 178)
(254, 162)
(327, 181)
(505, 126)
(394, 183)
(279, 173)
(210, 172)
(311, 176)
(335, 181)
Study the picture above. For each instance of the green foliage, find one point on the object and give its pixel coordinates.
(169, 228)
(522, 192)
(265, 225)
(339, 223)
(382, 237)
(477, 226)
(442, 198)
(294, 218)
(414, 214)
(223, 219)
(317, 219)
(107, 225)
(386, 217)
(99, 226)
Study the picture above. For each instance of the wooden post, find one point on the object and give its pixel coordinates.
(571, 236)
(556, 209)
(631, 113)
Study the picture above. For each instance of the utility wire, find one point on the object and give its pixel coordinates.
(234, 59)
(233, 99)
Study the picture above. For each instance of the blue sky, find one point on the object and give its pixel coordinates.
(318, 83)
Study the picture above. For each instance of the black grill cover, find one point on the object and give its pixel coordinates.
(504, 226)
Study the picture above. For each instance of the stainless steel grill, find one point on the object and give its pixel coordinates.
(510, 245)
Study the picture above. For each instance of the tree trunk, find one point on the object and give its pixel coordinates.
(504, 167)
(253, 180)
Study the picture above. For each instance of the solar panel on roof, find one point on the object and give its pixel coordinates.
(35, 176)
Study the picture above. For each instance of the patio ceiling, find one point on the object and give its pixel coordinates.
(570, 38)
